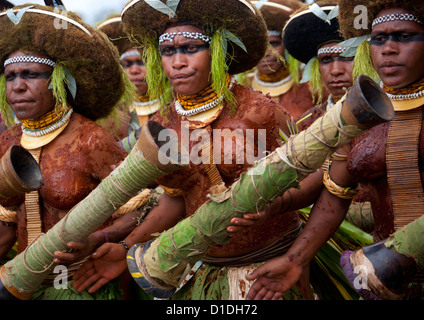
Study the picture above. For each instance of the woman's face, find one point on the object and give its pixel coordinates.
(336, 71)
(272, 61)
(134, 67)
(186, 61)
(27, 88)
(397, 50)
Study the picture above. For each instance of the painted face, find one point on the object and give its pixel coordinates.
(336, 71)
(134, 67)
(27, 88)
(272, 61)
(397, 50)
(186, 61)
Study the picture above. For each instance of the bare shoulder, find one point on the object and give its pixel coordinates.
(260, 109)
(10, 137)
(86, 131)
(84, 139)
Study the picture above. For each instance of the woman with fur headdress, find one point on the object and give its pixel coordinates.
(56, 80)
(194, 55)
(142, 108)
(386, 37)
(391, 42)
(277, 74)
(327, 70)
(191, 48)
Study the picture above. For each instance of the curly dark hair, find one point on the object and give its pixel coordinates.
(347, 15)
(115, 31)
(276, 18)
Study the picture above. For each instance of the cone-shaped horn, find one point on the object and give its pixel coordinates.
(129, 178)
(19, 173)
(366, 104)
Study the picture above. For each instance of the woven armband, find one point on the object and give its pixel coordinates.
(334, 188)
(7, 216)
(173, 193)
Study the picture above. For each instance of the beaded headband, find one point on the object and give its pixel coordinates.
(396, 17)
(29, 59)
(274, 33)
(191, 35)
(334, 49)
(131, 53)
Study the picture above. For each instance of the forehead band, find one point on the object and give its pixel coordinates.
(396, 17)
(29, 59)
(191, 35)
(334, 49)
(131, 53)
(274, 33)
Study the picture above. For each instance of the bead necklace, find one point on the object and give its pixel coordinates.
(53, 127)
(413, 91)
(182, 112)
(200, 108)
(271, 84)
(407, 96)
(145, 103)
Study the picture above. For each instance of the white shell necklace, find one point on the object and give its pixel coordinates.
(407, 96)
(145, 103)
(201, 108)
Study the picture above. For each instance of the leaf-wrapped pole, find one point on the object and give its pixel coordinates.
(22, 275)
(159, 266)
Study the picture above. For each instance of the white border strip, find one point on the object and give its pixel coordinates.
(128, 6)
(306, 12)
(109, 21)
(247, 4)
(135, 1)
(275, 5)
(56, 16)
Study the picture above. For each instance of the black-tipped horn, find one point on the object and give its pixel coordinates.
(19, 173)
(366, 104)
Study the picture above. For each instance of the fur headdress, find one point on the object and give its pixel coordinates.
(357, 38)
(277, 12)
(113, 28)
(78, 50)
(306, 31)
(239, 17)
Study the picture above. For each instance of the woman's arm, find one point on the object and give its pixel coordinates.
(109, 261)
